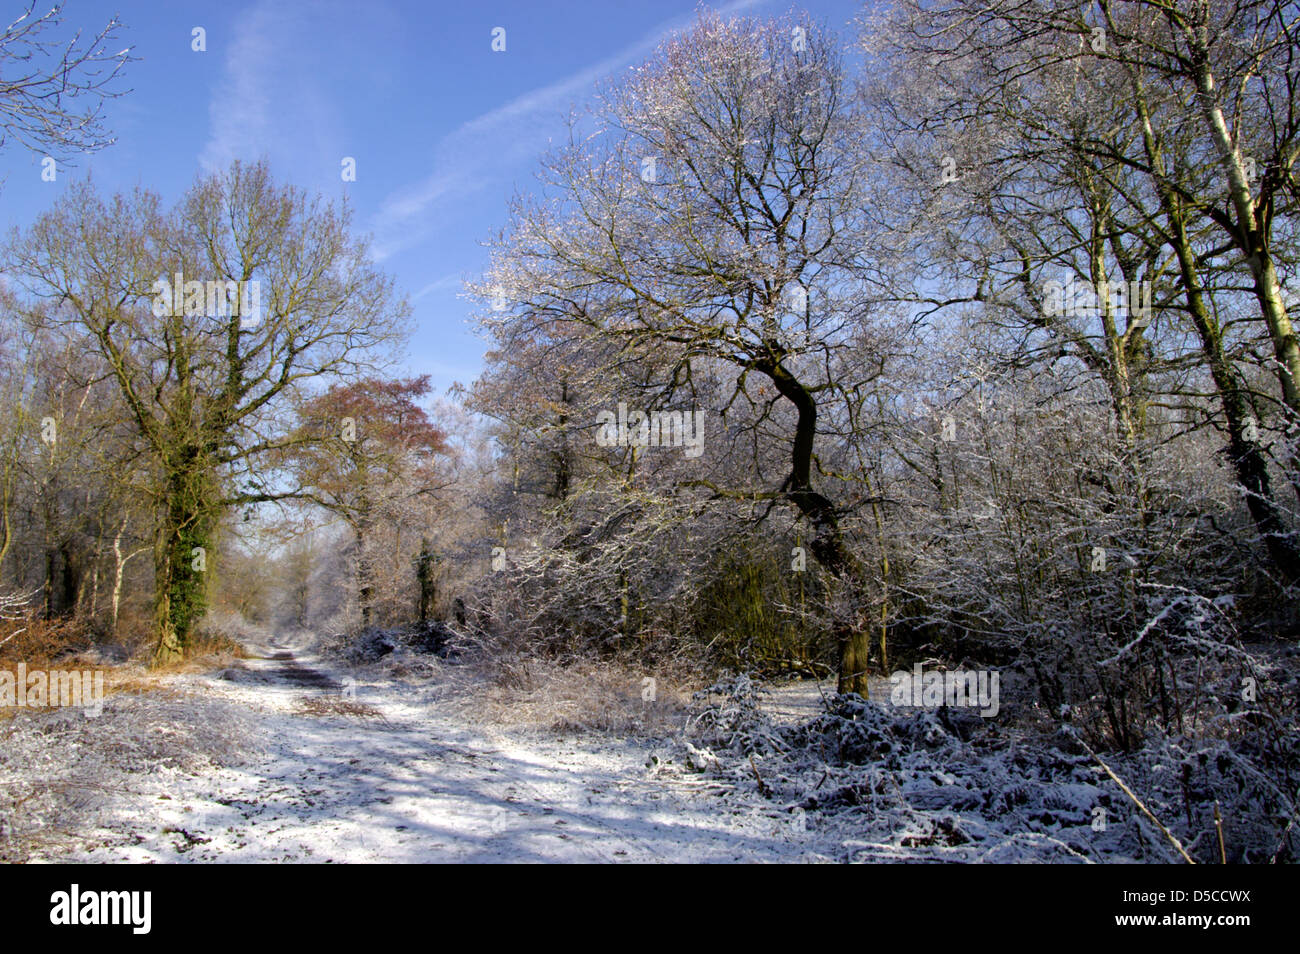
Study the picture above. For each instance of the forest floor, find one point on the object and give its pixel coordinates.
(287, 758)
(294, 755)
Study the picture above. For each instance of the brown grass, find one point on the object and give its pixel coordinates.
(335, 705)
(207, 651)
(38, 641)
(133, 679)
(582, 696)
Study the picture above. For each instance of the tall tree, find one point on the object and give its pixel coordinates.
(714, 214)
(1121, 95)
(373, 448)
(274, 295)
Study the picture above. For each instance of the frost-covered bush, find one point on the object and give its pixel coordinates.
(942, 783)
(728, 715)
(60, 769)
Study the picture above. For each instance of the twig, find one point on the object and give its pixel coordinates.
(1138, 802)
(1281, 842)
(1218, 824)
(762, 785)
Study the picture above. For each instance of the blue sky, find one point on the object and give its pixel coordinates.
(442, 128)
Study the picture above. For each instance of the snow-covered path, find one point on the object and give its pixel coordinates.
(400, 778)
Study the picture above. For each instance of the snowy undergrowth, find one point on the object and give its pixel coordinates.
(59, 769)
(874, 781)
(930, 784)
(289, 757)
(523, 692)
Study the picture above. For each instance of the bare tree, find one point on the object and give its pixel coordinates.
(205, 370)
(52, 87)
(716, 216)
(1097, 133)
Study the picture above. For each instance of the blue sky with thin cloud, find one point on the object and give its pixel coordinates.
(443, 129)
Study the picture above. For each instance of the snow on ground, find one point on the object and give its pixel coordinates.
(393, 776)
(290, 757)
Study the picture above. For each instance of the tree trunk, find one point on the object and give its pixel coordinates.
(180, 561)
(1246, 457)
(48, 584)
(827, 543)
(424, 575)
(69, 580)
(94, 591)
(119, 566)
(1252, 239)
(365, 582)
(1245, 454)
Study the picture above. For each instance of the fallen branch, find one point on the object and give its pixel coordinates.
(1138, 802)
(1218, 824)
(762, 785)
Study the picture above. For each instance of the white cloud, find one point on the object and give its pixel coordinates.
(438, 284)
(268, 101)
(239, 114)
(489, 147)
